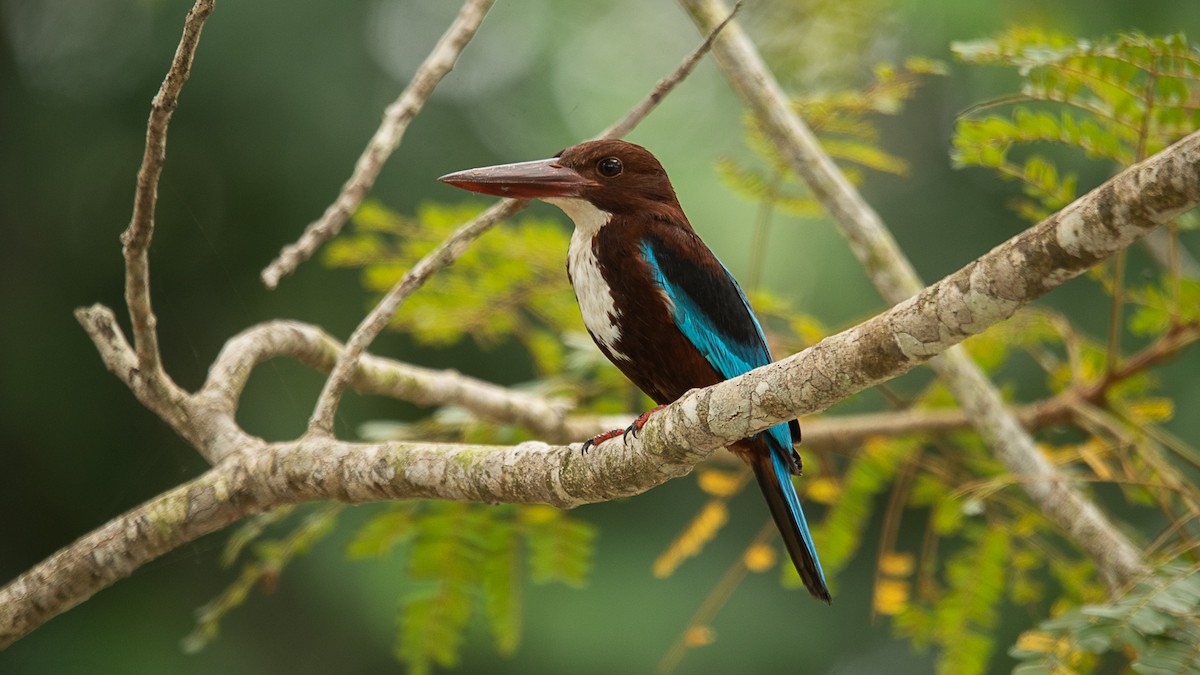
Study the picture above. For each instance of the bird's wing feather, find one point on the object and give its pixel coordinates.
(712, 312)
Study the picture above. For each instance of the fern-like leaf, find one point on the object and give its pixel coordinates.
(1155, 627)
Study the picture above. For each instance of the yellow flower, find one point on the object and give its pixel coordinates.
(759, 558)
(891, 596)
(823, 490)
(896, 564)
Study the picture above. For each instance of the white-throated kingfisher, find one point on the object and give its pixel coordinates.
(657, 301)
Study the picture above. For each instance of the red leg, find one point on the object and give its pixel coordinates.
(600, 438)
(641, 420)
(631, 429)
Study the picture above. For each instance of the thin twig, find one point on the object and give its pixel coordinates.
(385, 141)
(374, 323)
(446, 253)
(136, 238)
(713, 602)
(665, 85)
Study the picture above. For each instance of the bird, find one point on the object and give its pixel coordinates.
(657, 301)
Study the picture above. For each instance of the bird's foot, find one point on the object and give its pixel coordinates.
(600, 438)
(641, 421)
(631, 429)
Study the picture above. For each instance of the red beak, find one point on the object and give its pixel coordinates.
(524, 180)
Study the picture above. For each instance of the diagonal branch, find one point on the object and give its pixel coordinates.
(688, 431)
(116, 549)
(664, 86)
(385, 141)
(986, 291)
(1118, 560)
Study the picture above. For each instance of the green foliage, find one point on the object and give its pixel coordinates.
(1119, 99)
(461, 553)
(869, 473)
(463, 561)
(1161, 308)
(1155, 628)
(559, 547)
(384, 531)
(270, 557)
(843, 120)
(447, 553)
(511, 283)
(967, 614)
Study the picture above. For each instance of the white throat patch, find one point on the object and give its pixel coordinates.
(591, 290)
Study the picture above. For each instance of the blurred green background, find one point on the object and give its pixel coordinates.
(282, 98)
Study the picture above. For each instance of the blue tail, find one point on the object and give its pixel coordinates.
(774, 473)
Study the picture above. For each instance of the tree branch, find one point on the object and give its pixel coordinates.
(383, 143)
(1118, 560)
(263, 476)
(113, 551)
(136, 238)
(382, 377)
(250, 475)
(550, 419)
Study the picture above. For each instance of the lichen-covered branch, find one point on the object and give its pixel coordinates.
(120, 359)
(113, 551)
(986, 291)
(380, 376)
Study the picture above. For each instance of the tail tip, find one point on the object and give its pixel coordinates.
(820, 592)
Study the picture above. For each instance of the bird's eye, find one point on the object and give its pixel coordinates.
(609, 167)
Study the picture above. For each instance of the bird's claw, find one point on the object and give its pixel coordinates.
(600, 438)
(633, 428)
